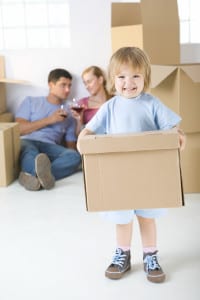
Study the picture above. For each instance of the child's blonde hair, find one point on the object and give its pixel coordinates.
(135, 58)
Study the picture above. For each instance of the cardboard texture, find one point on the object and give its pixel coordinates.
(9, 152)
(132, 171)
(2, 86)
(190, 162)
(2, 67)
(6, 117)
(2, 97)
(152, 25)
(3, 82)
(179, 88)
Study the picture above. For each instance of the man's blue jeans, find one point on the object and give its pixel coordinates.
(64, 161)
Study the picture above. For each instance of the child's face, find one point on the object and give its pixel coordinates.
(129, 83)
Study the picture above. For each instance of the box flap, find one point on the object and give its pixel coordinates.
(124, 14)
(159, 73)
(193, 71)
(163, 13)
(161, 30)
(150, 140)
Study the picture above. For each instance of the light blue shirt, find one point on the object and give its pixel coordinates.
(37, 108)
(122, 115)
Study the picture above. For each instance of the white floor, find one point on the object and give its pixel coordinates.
(52, 249)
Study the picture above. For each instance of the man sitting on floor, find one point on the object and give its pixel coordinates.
(44, 124)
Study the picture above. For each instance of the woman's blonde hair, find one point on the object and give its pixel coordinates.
(98, 72)
(135, 58)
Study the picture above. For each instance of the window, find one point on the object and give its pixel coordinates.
(34, 24)
(189, 21)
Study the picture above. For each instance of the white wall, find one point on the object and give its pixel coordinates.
(90, 44)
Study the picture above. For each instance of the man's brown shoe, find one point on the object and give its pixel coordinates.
(28, 181)
(43, 171)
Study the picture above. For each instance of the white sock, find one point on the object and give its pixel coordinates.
(124, 248)
(149, 249)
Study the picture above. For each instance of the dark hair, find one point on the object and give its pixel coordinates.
(56, 74)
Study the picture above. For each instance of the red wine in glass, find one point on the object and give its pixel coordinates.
(78, 109)
(63, 115)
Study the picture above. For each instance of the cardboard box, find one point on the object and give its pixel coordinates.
(2, 67)
(9, 152)
(2, 86)
(179, 88)
(6, 117)
(2, 97)
(152, 25)
(190, 162)
(132, 171)
(3, 82)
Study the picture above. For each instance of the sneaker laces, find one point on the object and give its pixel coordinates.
(151, 262)
(119, 257)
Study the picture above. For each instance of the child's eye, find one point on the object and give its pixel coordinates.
(120, 76)
(136, 76)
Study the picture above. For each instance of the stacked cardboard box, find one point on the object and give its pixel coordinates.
(153, 25)
(9, 133)
(9, 152)
(179, 89)
(2, 87)
(5, 116)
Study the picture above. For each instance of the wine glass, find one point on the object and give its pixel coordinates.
(76, 106)
(64, 112)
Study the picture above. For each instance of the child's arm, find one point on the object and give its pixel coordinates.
(84, 132)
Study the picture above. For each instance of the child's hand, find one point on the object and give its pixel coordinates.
(182, 139)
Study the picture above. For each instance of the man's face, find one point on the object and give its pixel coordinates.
(61, 88)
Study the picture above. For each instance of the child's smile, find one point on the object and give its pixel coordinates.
(129, 83)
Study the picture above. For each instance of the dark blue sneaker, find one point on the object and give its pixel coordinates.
(152, 268)
(121, 263)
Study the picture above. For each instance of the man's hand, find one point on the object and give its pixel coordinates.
(27, 127)
(58, 116)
